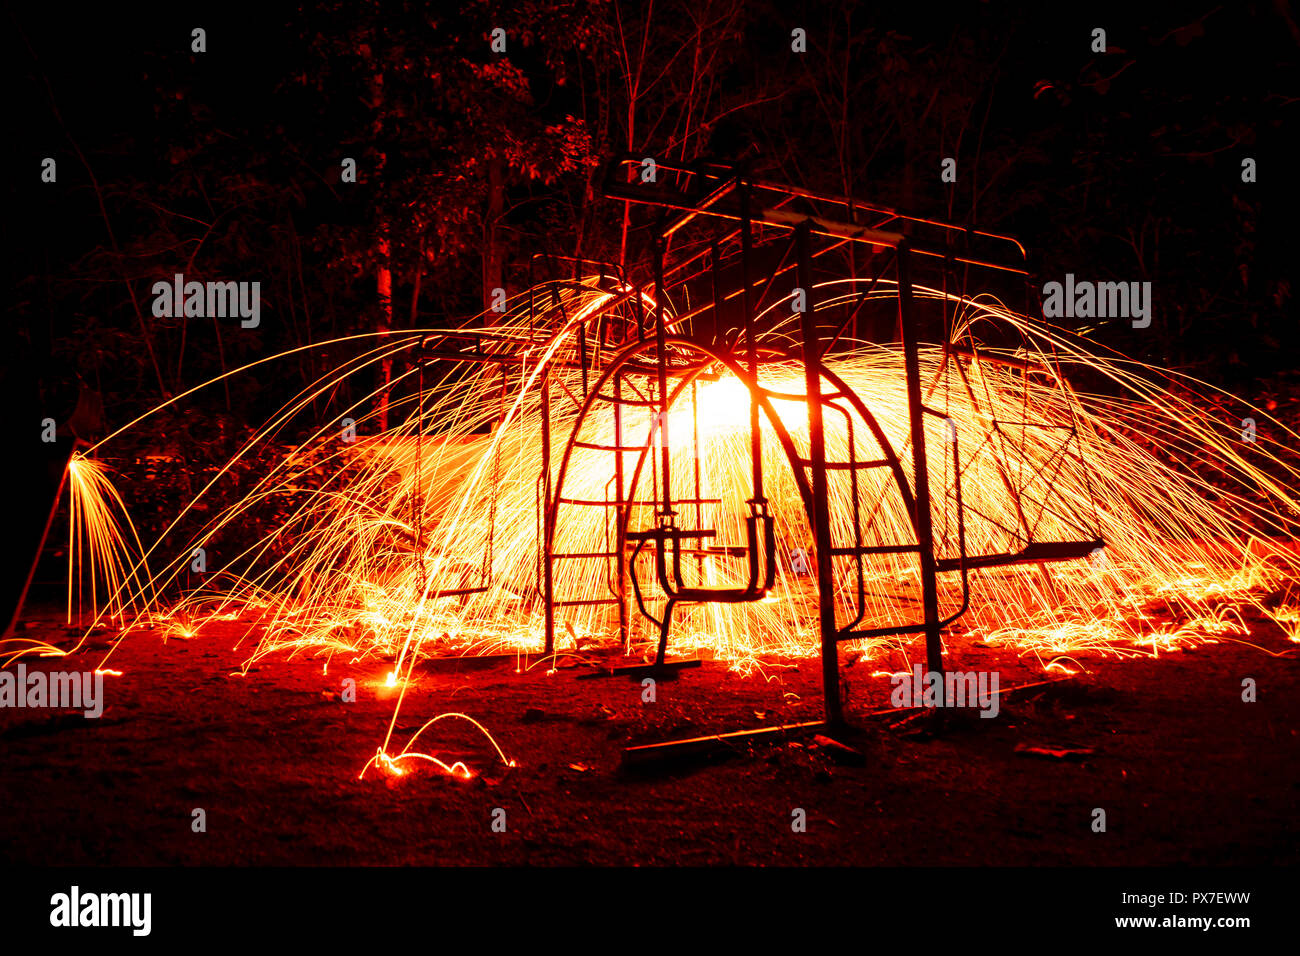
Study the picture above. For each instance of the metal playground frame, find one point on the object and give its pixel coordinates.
(733, 238)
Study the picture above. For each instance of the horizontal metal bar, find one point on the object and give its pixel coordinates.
(722, 190)
(722, 550)
(879, 632)
(511, 358)
(1032, 553)
(660, 534)
(797, 397)
(589, 502)
(847, 465)
(1022, 423)
(647, 402)
(875, 549)
(829, 227)
(594, 446)
(456, 592)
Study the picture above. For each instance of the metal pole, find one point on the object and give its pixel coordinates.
(821, 517)
(548, 586)
(916, 423)
(620, 514)
(751, 345)
(661, 357)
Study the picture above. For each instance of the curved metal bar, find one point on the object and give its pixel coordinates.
(761, 397)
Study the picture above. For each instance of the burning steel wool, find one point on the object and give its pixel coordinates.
(428, 538)
(611, 467)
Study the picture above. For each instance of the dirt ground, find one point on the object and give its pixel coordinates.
(1186, 771)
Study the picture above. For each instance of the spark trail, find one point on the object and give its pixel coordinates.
(425, 539)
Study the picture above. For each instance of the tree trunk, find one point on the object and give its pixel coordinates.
(493, 254)
(384, 286)
(384, 270)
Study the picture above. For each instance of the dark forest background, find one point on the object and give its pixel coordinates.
(225, 165)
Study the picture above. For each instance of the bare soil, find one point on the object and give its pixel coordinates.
(1186, 771)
